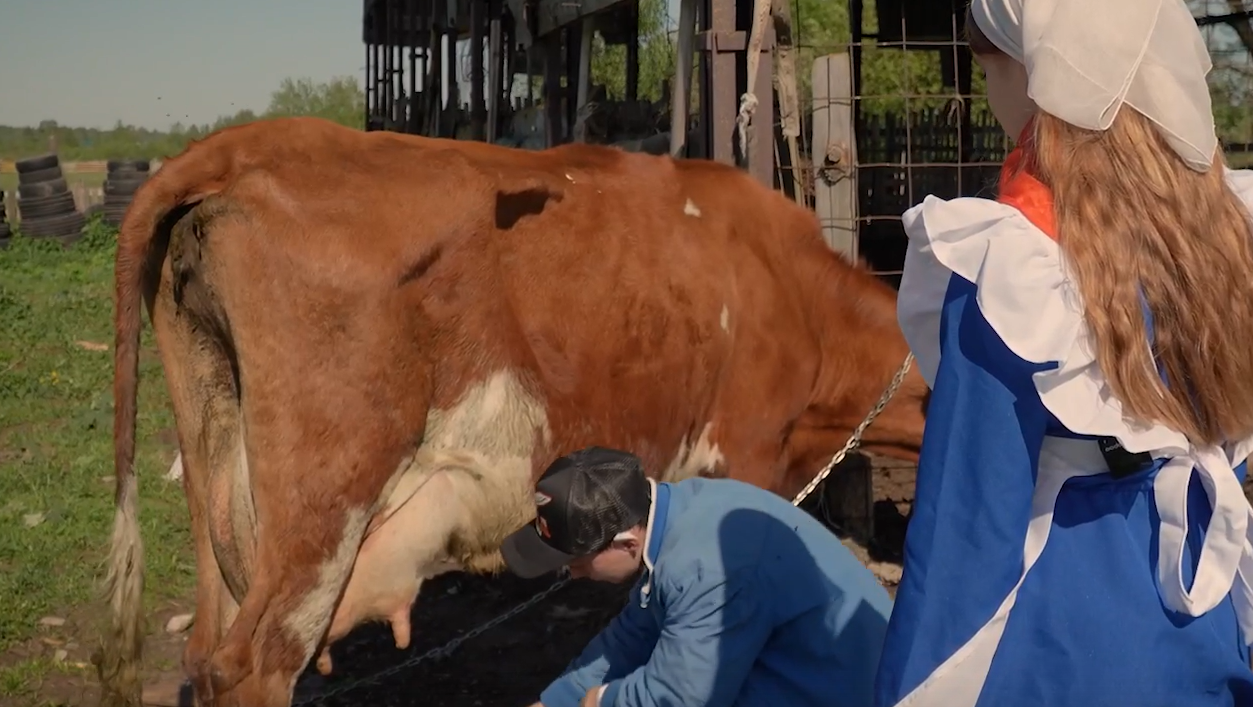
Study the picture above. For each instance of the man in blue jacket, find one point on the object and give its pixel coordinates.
(744, 600)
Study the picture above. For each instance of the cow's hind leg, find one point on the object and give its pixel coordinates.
(307, 542)
(205, 399)
(334, 400)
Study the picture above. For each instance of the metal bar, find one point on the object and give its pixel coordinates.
(435, 72)
(553, 133)
(378, 84)
(583, 86)
(681, 99)
(478, 111)
(415, 32)
(855, 22)
(388, 55)
(398, 66)
(369, 66)
(508, 53)
(633, 55)
(494, 70)
(454, 84)
(574, 40)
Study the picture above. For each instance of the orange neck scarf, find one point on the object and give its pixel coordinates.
(1018, 186)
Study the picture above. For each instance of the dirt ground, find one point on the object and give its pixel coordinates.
(506, 666)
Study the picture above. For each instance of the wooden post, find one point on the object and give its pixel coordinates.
(834, 152)
(682, 95)
(789, 96)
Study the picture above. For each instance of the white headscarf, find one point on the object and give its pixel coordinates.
(1085, 59)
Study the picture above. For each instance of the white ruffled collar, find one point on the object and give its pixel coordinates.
(1027, 296)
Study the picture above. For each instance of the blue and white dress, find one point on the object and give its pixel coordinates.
(1033, 576)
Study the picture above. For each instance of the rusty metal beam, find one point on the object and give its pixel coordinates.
(478, 110)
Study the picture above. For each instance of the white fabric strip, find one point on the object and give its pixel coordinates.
(959, 680)
(1227, 539)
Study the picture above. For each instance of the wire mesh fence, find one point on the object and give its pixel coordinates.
(892, 109)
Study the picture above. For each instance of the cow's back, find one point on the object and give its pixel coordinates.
(646, 292)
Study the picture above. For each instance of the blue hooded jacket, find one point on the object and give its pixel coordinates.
(744, 601)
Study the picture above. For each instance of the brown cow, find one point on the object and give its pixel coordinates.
(373, 343)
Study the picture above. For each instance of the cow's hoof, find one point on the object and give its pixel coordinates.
(169, 692)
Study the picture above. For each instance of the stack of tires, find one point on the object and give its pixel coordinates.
(124, 178)
(44, 201)
(4, 224)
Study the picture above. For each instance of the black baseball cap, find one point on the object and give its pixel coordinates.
(582, 501)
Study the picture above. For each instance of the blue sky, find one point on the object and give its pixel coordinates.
(91, 63)
(154, 62)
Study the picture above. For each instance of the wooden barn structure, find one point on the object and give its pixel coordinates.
(469, 69)
(840, 145)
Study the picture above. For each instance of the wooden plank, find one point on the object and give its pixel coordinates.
(834, 152)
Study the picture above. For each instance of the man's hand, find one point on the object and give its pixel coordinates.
(592, 698)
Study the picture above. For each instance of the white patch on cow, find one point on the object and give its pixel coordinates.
(176, 469)
(243, 507)
(496, 421)
(692, 459)
(691, 209)
(307, 622)
(470, 481)
(724, 320)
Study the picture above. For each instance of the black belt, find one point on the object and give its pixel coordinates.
(1122, 463)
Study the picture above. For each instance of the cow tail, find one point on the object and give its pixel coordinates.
(141, 245)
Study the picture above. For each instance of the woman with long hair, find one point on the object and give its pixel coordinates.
(1080, 537)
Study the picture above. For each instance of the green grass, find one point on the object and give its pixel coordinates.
(23, 680)
(56, 444)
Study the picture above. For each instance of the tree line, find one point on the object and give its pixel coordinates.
(341, 99)
(893, 81)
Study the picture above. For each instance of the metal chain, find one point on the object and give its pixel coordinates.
(855, 440)
(449, 648)
(435, 653)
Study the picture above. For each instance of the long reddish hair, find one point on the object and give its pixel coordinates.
(1139, 228)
